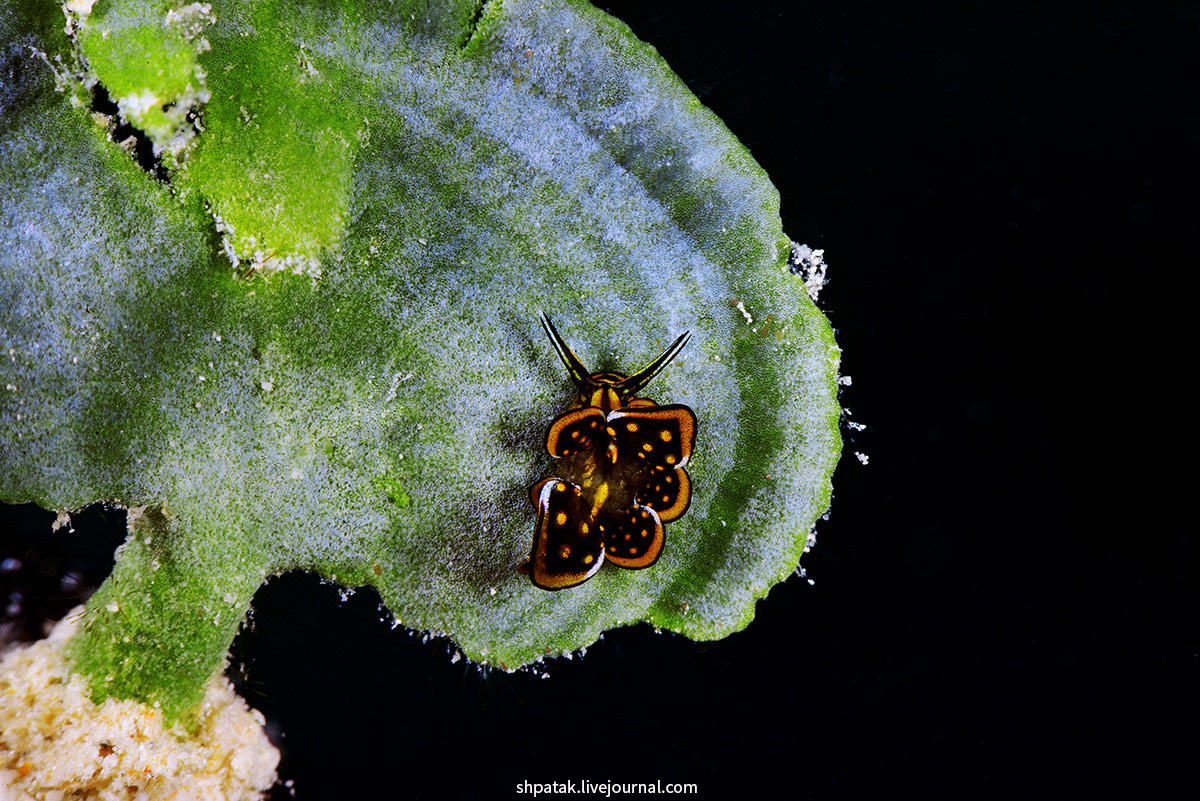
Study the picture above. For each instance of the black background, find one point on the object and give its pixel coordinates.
(1002, 600)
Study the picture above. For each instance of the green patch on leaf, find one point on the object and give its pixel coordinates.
(146, 55)
(280, 135)
(393, 489)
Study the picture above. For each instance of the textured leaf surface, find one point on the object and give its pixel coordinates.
(383, 424)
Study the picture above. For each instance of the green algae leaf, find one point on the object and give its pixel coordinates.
(317, 346)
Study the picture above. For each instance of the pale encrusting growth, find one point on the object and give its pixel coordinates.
(55, 740)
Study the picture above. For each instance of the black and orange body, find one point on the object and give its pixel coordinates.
(619, 474)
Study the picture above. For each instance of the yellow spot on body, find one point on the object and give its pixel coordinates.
(631, 427)
(645, 533)
(645, 513)
(665, 436)
(670, 459)
(647, 447)
(587, 560)
(564, 551)
(610, 431)
(601, 497)
(561, 518)
(560, 487)
(574, 434)
(628, 536)
(666, 499)
(632, 551)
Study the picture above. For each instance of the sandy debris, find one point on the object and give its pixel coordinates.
(56, 744)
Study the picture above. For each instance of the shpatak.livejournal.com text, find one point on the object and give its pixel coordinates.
(605, 789)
